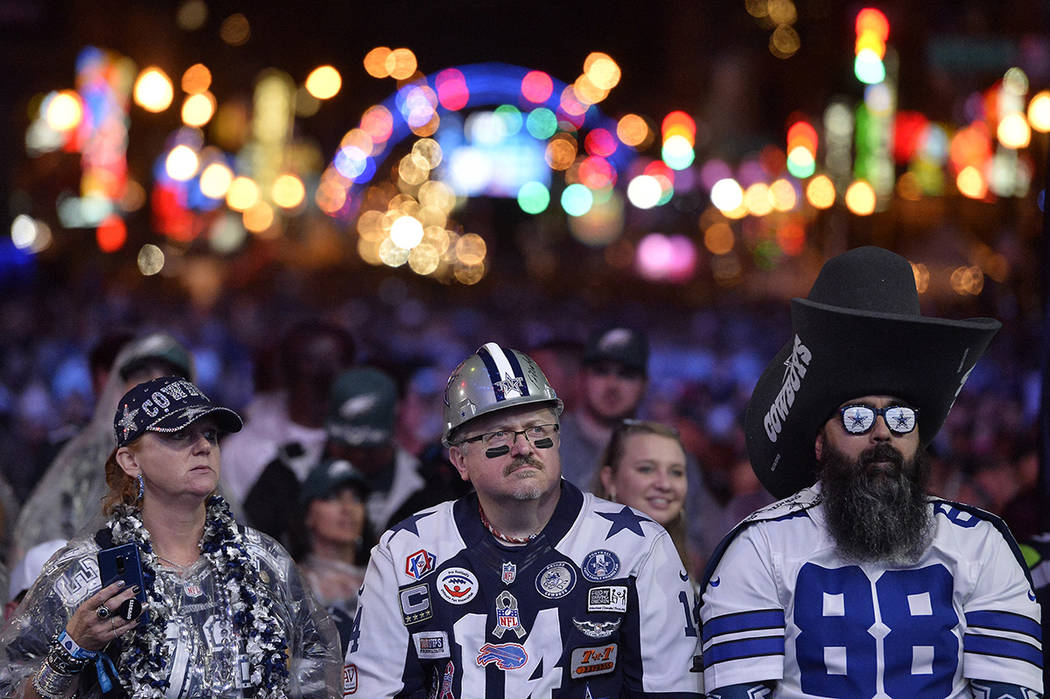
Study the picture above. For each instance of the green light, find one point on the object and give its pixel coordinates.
(533, 197)
(800, 163)
(576, 200)
(678, 152)
(868, 67)
(511, 118)
(541, 123)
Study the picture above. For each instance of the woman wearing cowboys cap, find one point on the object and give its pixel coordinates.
(225, 613)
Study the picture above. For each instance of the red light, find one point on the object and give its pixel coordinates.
(659, 168)
(111, 234)
(908, 132)
(600, 142)
(597, 173)
(537, 86)
(802, 133)
(378, 122)
(871, 20)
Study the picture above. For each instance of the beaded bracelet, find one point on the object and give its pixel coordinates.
(51, 684)
(64, 665)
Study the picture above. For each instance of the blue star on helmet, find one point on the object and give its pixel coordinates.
(127, 421)
(409, 523)
(624, 519)
(509, 383)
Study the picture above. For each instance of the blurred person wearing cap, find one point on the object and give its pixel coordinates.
(289, 423)
(69, 495)
(859, 583)
(330, 537)
(225, 613)
(527, 586)
(612, 384)
(359, 428)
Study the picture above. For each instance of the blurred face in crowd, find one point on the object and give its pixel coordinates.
(611, 390)
(874, 486)
(649, 476)
(338, 519)
(522, 472)
(175, 464)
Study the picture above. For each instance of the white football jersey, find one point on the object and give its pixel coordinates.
(597, 605)
(780, 604)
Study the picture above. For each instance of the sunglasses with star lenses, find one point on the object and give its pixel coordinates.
(858, 418)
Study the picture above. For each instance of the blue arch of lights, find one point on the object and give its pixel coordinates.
(488, 84)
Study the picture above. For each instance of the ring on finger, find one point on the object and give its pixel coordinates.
(102, 611)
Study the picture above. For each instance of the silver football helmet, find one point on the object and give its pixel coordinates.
(493, 378)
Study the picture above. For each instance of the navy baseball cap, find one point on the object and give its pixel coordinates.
(328, 477)
(167, 404)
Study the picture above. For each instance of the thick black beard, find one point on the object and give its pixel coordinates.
(876, 515)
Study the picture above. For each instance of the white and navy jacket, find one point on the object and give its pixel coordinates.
(597, 605)
(780, 604)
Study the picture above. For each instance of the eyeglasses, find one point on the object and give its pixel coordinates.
(505, 438)
(858, 418)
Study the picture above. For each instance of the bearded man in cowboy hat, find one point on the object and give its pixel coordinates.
(858, 583)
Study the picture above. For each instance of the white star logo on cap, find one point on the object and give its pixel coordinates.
(510, 383)
(127, 421)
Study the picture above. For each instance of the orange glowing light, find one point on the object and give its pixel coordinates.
(197, 78)
(602, 70)
(802, 134)
(375, 62)
(64, 111)
(378, 123)
(678, 123)
(871, 42)
(198, 109)
(537, 86)
(632, 130)
(820, 192)
(324, 82)
(570, 103)
(971, 183)
(401, 64)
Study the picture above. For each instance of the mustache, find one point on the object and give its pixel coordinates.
(522, 461)
(882, 452)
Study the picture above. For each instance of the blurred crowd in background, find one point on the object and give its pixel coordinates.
(702, 367)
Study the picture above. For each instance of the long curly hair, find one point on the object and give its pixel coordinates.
(123, 489)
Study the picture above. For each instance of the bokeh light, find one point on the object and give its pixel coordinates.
(727, 194)
(533, 197)
(868, 67)
(375, 62)
(757, 199)
(324, 82)
(1013, 131)
(63, 110)
(288, 191)
(258, 217)
(471, 249)
(182, 163)
(820, 192)
(196, 78)
(406, 232)
(633, 131)
(401, 64)
(719, 238)
(191, 15)
(452, 90)
(215, 180)
(644, 191)
(235, 30)
(198, 109)
(561, 152)
(602, 70)
(860, 198)
(537, 87)
(678, 152)
(971, 183)
(242, 194)
(153, 90)
(577, 199)
(1039, 112)
(111, 234)
(541, 123)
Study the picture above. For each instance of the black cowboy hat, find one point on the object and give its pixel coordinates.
(858, 333)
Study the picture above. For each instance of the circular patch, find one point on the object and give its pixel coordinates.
(457, 585)
(556, 580)
(600, 565)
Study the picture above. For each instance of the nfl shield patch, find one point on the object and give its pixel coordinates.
(510, 572)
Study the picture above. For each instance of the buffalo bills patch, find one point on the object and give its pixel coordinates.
(419, 564)
(349, 679)
(556, 580)
(507, 656)
(431, 644)
(415, 604)
(457, 585)
(596, 660)
(600, 565)
(608, 598)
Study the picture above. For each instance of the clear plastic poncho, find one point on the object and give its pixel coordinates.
(206, 657)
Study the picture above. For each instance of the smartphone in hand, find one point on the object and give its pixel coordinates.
(122, 563)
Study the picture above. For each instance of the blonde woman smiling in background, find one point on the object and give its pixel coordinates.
(643, 467)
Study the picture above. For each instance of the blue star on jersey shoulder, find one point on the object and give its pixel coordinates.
(408, 524)
(624, 519)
